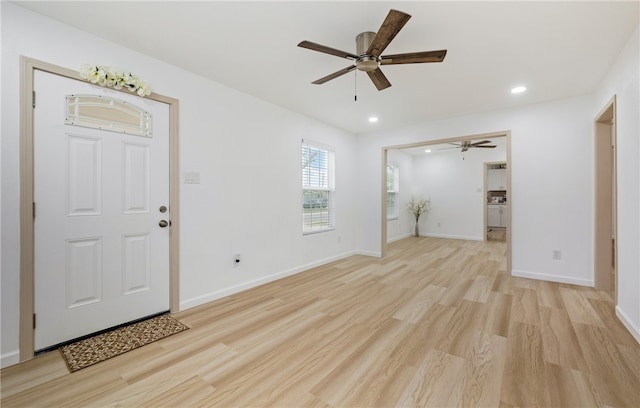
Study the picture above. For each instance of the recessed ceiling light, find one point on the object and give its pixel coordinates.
(428, 151)
(518, 89)
(373, 119)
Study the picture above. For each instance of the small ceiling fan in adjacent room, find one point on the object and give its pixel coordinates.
(468, 144)
(369, 48)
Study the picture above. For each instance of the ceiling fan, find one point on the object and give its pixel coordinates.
(369, 47)
(467, 144)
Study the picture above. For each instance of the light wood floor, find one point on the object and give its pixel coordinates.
(436, 323)
(497, 234)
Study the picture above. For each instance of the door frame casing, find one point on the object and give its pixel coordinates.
(28, 66)
(383, 189)
(605, 199)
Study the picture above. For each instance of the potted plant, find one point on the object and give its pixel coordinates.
(417, 208)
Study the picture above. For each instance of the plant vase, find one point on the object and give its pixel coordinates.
(417, 208)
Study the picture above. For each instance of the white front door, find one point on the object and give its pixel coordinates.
(101, 256)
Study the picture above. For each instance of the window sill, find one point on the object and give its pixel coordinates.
(317, 231)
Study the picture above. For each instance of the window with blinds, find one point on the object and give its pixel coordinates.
(393, 191)
(318, 188)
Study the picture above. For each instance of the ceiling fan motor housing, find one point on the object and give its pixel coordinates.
(365, 62)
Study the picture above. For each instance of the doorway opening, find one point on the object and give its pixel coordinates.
(478, 188)
(497, 195)
(605, 251)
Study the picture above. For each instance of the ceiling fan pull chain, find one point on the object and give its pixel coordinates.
(355, 85)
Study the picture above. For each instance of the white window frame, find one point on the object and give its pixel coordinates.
(393, 188)
(318, 188)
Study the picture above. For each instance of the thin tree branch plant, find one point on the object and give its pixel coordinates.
(417, 208)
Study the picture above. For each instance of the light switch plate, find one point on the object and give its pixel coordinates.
(191, 177)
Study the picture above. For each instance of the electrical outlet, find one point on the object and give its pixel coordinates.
(556, 254)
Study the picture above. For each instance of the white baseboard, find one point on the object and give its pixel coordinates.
(448, 236)
(633, 329)
(10, 358)
(209, 297)
(398, 238)
(552, 278)
(368, 253)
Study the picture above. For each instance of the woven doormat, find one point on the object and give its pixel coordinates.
(92, 350)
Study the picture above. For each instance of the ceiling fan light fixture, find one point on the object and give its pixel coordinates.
(367, 63)
(373, 119)
(518, 89)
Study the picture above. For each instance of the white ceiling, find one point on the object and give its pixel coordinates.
(557, 49)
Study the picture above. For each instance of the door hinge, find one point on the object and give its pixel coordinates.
(33, 100)
(34, 210)
(34, 321)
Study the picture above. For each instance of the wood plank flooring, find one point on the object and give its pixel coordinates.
(437, 323)
(497, 234)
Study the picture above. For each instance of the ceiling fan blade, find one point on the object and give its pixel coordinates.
(480, 143)
(334, 75)
(390, 27)
(327, 50)
(485, 146)
(414, 57)
(379, 80)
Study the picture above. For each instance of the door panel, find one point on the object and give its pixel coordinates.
(136, 269)
(83, 272)
(101, 259)
(136, 178)
(84, 178)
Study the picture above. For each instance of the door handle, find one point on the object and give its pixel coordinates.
(163, 224)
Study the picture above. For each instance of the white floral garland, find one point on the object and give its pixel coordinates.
(105, 76)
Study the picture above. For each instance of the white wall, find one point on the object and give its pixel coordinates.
(402, 226)
(552, 182)
(247, 151)
(623, 82)
(456, 189)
